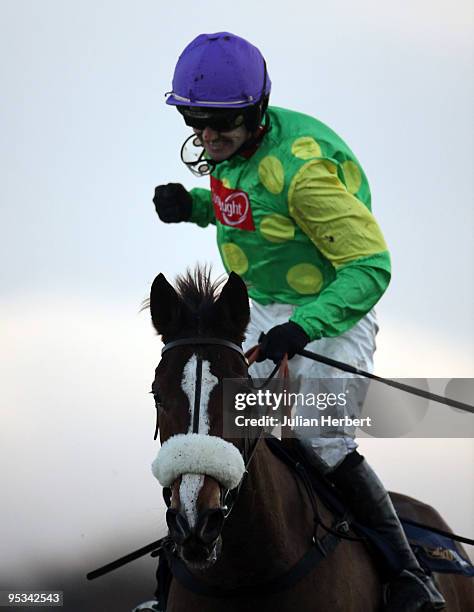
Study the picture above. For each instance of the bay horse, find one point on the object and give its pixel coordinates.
(271, 526)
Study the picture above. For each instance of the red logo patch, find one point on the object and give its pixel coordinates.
(231, 206)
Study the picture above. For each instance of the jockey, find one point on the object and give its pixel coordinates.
(292, 209)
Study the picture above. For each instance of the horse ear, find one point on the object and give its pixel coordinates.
(165, 305)
(233, 303)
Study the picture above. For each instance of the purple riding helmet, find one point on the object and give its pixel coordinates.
(219, 70)
(220, 81)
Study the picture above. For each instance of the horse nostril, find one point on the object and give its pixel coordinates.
(209, 525)
(178, 525)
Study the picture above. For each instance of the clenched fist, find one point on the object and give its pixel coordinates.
(173, 203)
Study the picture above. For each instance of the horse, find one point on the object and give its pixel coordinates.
(271, 524)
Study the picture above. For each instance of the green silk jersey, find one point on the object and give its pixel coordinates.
(294, 221)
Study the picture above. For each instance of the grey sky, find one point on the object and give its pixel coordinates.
(86, 136)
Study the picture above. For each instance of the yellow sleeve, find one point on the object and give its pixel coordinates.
(347, 234)
(339, 224)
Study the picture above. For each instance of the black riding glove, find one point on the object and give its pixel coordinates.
(286, 338)
(173, 203)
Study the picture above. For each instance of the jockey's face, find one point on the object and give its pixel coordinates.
(221, 145)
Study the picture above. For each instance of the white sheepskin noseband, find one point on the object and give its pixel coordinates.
(198, 454)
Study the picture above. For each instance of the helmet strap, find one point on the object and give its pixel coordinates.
(255, 138)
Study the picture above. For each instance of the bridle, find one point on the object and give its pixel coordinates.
(195, 341)
(228, 496)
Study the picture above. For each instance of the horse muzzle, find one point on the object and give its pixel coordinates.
(198, 545)
(206, 455)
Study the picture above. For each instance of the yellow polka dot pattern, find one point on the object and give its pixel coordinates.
(277, 228)
(352, 176)
(234, 258)
(305, 148)
(272, 174)
(305, 278)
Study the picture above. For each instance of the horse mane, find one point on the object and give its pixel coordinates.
(199, 296)
(197, 290)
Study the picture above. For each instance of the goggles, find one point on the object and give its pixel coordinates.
(218, 119)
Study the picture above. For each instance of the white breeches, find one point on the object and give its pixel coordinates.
(355, 347)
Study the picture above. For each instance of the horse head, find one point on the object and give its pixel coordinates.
(202, 330)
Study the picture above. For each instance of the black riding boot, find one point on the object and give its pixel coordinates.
(412, 590)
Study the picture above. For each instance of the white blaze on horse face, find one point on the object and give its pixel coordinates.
(189, 489)
(188, 384)
(191, 484)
